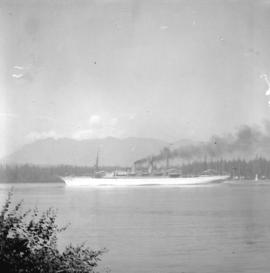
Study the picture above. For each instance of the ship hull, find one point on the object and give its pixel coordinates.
(142, 181)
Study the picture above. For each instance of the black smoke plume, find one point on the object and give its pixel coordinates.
(246, 143)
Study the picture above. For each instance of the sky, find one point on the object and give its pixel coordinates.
(169, 70)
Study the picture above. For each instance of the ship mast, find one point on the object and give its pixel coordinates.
(97, 161)
(167, 151)
(151, 165)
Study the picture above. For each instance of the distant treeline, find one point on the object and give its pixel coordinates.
(236, 168)
(33, 173)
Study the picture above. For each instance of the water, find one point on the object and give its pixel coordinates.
(204, 229)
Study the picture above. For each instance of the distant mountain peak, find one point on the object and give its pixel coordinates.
(113, 151)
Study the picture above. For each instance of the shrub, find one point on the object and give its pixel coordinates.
(28, 244)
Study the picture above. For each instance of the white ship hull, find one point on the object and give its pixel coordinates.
(141, 181)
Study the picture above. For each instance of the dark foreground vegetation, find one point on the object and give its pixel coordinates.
(28, 244)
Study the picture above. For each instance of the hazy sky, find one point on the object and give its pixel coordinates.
(162, 69)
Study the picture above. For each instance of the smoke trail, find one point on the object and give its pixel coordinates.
(246, 143)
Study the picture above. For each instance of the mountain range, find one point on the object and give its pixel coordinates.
(246, 143)
(112, 151)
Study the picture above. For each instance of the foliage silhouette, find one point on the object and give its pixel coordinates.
(28, 244)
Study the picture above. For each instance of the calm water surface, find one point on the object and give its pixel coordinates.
(216, 228)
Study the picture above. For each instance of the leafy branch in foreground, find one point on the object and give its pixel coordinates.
(28, 244)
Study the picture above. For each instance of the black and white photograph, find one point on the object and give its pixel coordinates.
(135, 136)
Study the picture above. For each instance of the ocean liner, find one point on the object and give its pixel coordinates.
(151, 177)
